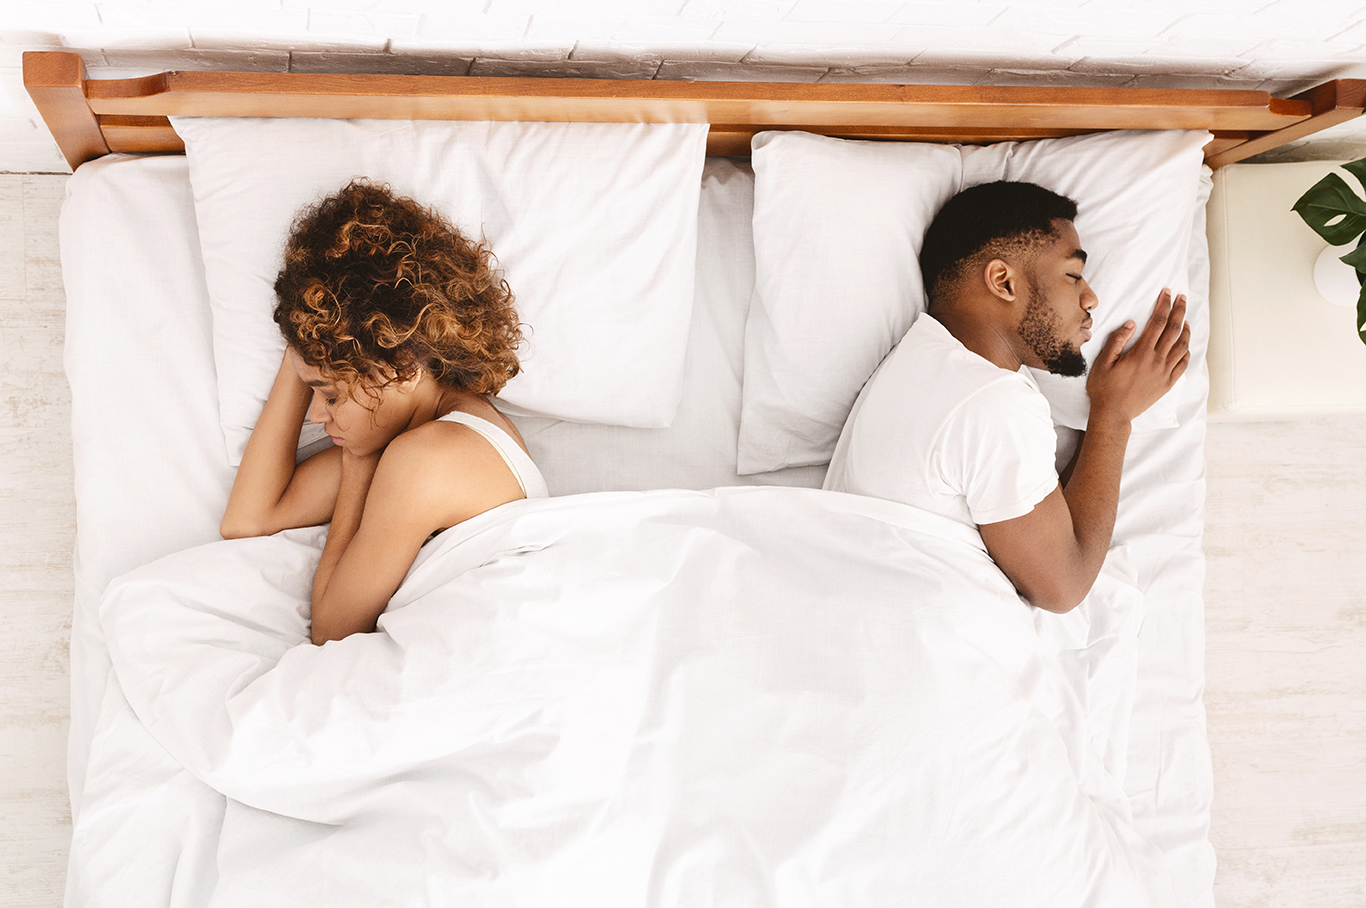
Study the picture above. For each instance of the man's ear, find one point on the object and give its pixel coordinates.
(1002, 280)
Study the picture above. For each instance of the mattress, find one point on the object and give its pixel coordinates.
(151, 479)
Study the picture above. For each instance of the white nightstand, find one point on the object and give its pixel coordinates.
(1277, 349)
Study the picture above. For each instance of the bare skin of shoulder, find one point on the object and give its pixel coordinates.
(394, 476)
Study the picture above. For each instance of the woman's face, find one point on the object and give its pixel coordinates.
(355, 422)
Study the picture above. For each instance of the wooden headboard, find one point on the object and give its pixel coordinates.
(93, 117)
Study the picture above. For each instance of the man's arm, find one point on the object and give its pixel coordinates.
(1053, 553)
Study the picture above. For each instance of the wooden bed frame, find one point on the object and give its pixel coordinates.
(93, 117)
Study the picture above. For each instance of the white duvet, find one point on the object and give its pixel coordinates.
(747, 697)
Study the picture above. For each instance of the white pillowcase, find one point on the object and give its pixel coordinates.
(1136, 194)
(698, 450)
(593, 224)
(838, 226)
(837, 232)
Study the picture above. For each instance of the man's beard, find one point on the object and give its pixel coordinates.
(1039, 329)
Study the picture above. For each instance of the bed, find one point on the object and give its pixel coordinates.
(743, 731)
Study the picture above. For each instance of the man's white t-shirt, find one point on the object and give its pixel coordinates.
(941, 428)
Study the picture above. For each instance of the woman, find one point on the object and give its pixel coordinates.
(397, 328)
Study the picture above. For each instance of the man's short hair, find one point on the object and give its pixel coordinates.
(994, 220)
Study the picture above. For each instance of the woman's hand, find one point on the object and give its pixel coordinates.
(270, 493)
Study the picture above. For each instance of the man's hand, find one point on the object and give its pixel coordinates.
(1053, 553)
(1124, 384)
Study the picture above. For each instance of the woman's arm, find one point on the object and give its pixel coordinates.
(270, 493)
(357, 473)
(427, 479)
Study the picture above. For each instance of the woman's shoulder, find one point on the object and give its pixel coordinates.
(452, 448)
(443, 473)
(435, 444)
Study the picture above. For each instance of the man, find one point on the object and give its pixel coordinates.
(953, 424)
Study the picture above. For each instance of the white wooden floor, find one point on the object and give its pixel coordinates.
(37, 531)
(1286, 616)
(1286, 661)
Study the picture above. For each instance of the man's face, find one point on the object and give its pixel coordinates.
(1057, 315)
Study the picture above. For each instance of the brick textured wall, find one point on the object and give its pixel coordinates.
(1275, 45)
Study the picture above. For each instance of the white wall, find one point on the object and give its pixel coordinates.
(1281, 46)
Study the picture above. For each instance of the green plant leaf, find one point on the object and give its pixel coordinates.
(1357, 169)
(1356, 258)
(1361, 315)
(1328, 200)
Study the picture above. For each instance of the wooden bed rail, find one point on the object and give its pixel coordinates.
(92, 117)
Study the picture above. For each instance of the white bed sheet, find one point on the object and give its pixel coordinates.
(770, 696)
(148, 480)
(151, 479)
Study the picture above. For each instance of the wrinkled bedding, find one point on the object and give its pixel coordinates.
(758, 697)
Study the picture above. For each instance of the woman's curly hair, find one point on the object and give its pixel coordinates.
(376, 286)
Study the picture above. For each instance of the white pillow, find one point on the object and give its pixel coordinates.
(837, 232)
(698, 450)
(594, 225)
(1136, 193)
(837, 280)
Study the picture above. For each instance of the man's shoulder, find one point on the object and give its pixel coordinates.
(959, 387)
(1004, 397)
(929, 384)
(932, 406)
(933, 359)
